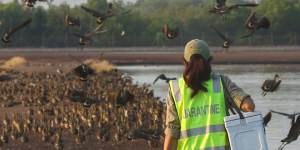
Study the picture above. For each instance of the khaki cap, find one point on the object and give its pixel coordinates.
(196, 46)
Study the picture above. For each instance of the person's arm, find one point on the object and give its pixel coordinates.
(170, 143)
(172, 130)
(241, 99)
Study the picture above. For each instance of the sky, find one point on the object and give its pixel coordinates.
(71, 2)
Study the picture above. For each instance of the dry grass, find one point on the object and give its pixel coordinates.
(99, 65)
(13, 62)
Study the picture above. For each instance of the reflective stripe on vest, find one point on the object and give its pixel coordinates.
(201, 117)
(201, 131)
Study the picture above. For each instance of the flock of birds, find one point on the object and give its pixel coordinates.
(118, 111)
(253, 23)
(84, 72)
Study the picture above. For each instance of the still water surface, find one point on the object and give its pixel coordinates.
(250, 78)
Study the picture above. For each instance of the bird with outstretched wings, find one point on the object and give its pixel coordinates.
(100, 16)
(227, 42)
(254, 23)
(294, 131)
(72, 21)
(267, 118)
(85, 39)
(221, 7)
(7, 35)
(31, 3)
(163, 77)
(170, 33)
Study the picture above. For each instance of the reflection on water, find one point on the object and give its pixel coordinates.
(250, 78)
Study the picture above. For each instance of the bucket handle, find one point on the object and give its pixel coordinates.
(232, 105)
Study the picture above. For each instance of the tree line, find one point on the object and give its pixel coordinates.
(143, 25)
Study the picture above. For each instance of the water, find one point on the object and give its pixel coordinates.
(250, 78)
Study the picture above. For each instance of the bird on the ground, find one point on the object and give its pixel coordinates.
(71, 21)
(222, 8)
(170, 33)
(6, 36)
(294, 131)
(267, 118)
(83, 71)
(227, 42)
(5, 77)
(85, 39)
(100, 16)
(271, 85)
(124, 97)
(254, 23)
(163, 77)
(31, 3)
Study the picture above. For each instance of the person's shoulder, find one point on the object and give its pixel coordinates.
(224, 77)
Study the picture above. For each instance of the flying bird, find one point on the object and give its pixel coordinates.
(71, 21)
(267, 118)
(222, 8)
(31, 3)
(163, 77)
(294, 131)
(290, 116)
(227, 42)
(170, 33)
(271, 85)
(100, 16)
(253, 23)
(11, 31)
(85, 39)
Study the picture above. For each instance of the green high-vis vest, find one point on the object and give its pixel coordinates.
(201, 117)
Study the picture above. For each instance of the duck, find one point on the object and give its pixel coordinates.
(271, 85)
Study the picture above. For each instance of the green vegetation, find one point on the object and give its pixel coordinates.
(144, 24)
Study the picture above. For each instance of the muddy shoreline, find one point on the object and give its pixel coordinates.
(144, 56)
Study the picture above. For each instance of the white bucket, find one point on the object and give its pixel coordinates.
(248, 133)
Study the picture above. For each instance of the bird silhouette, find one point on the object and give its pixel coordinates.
(290, 116)
(85, 39)
(267, 118)
(100, 16)
(6, 36)
(31, 3)
(83, 71)
(170, 33)
(222, 8)
(5, 77)
(71, 21)
(294, 131)
(253, 23)
(270, 85)
(124, 97)
(227, 42)
(163, 77)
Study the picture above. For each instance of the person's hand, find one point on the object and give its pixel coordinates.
(248, 105)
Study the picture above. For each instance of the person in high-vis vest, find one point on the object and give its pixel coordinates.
(196, 104)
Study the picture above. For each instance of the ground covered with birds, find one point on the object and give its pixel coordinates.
(44, 110)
